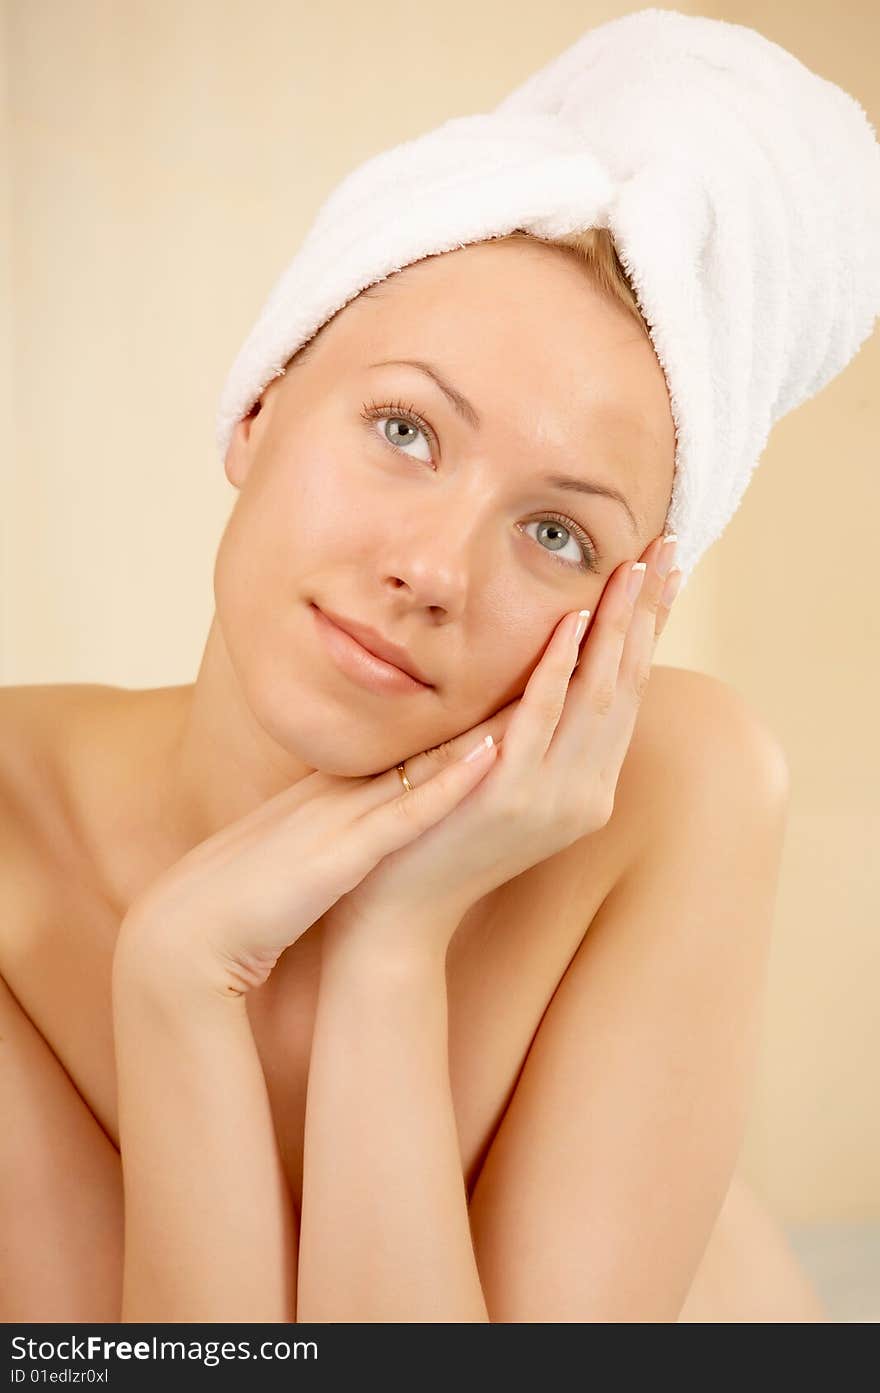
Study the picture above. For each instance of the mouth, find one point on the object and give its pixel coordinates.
(364, 655)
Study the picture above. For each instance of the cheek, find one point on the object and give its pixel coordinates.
(258, 563)
(499, 666)
(314, 488)
(258, 611)
(240, 578)
(330, 505)
(292, 521)
(295, 515)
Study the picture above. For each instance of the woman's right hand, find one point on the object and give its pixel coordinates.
(222, 915)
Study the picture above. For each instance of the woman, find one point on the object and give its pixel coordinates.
(603, 1004)
(376, 1032)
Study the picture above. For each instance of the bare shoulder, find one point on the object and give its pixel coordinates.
(38, 724)
(32, 705)
(687, 713)
(696, 733)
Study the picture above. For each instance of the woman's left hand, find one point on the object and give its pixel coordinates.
(553, 779)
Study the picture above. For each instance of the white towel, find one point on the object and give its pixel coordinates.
(742, 191)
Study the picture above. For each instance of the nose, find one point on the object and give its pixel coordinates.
(431, 562)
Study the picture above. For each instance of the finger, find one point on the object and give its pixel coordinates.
(641, 637)
(596, 681)
(638, 654)
(427, 763)
(615, 692)
(253, 824)
(397, 821)
(363, 795)
(670, 590)
(541, 705)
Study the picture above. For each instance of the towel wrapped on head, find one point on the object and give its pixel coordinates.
(742, 192)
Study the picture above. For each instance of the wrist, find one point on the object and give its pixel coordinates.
(171, 976)
(379, 952)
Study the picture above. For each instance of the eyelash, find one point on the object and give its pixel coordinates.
(373, 411)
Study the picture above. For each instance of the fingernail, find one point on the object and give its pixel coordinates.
(637, 576)
(485, 744)
(670, 589)
(580, 627)
(666, 554)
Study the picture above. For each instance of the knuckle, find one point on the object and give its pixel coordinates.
(601, 808)
(411, 807)
(652, 599)
(514, 807)
(602, 696)
(573, 822)
(547, 707)
(602, 800)
(641, 679)
(337, 872)
(440, 755)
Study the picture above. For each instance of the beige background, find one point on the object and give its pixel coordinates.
(162, 162)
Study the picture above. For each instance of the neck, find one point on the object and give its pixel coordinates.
(186, 761)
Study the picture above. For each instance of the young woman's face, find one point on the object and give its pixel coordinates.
(365, 492)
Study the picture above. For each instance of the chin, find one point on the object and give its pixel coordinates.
(309, 729)
(353, 751)
(317, 722)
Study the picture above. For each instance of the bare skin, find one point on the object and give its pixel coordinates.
(105, 788)
(61, 917)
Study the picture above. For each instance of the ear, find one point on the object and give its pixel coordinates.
(238, 453)
(241, 445)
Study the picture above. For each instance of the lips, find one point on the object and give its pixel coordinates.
(380, 647)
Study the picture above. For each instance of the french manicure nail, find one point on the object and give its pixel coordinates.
(670, 589)
(637, 576)
(485, 744)
(580, 627)
(666, 554)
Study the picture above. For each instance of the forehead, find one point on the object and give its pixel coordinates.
(548, 359)
(521, 314)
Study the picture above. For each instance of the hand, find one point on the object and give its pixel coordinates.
(221, 916)
(553, 781)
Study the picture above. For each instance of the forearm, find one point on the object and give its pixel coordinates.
(385, 1233)
(210, 1230)
(60, 1188)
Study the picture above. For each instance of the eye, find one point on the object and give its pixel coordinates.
(552, 523)
(406, 416)
(396, 414)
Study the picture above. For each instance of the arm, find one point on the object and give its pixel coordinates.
(384, 1231)
(60, 1179)
(613, 1159)
(210, 1232)
(60, 1187)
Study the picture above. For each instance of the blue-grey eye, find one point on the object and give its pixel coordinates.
(401, 424)
(554, 536)
(400, 428)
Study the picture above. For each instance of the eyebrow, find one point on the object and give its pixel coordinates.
(468, 412)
